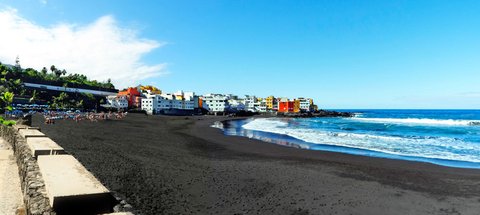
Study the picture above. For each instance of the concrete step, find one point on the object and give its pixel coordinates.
(18, 127)
(26, 133)
(44, 146)
(71, 188)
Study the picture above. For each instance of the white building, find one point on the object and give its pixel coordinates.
(236, 104)
(262, 106)
(250, 102)
(258, 106)
(155, 104)
(254, 104)
(118, 102)
(190, 100)
(215, 103)
(306, 104)
(149, 103)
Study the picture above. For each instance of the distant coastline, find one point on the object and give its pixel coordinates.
(319, 113)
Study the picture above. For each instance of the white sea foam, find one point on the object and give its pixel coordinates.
(423, 121)
(427, 147)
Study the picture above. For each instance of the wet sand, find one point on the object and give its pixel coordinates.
(179, 165)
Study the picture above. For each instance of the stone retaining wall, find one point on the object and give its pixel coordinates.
(33, 186)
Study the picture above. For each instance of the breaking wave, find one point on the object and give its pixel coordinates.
(433, 147)
(446, 122)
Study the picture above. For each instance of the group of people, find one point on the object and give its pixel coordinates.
(51, 116)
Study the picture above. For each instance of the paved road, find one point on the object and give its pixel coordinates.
(10, 193)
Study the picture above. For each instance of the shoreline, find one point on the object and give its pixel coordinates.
(278, 139)
(328, 155)
(164, 165)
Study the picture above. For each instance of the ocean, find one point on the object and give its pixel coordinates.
(443, 137)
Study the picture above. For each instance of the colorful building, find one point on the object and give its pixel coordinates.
(296, 106)
(133, 96)
(170, 104)
(306, 104)
(270, 102)
(150, 89)
(286, 106)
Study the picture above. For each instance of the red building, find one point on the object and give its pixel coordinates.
(133, 96)
(286, 106)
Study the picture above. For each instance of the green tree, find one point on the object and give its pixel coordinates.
(7, 99)
(31, 73)
(34, 96)
(58, 73)
(15, 85)
(53, 68)
(60, 101)
(79, 104)
(44, 71)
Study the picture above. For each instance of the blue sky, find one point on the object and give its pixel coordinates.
(344, 54)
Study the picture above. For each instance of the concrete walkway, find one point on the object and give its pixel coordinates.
(11, 202)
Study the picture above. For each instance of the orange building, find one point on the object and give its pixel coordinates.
(288, 106)
(285, 106)
(200, 103)
(133, 96)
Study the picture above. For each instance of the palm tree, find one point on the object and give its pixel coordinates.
(58, 73)
(60, 101)
(44, 71)
(34, 96)
(17, 67)
(53, 68)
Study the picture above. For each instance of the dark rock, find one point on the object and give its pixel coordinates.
(474, 123)
(319, 113)
(117, 208)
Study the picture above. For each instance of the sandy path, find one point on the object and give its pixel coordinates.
(10, 192)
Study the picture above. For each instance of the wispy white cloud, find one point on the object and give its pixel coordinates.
(44, 2)
(100, 50)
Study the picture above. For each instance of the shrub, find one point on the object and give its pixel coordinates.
(7, 122)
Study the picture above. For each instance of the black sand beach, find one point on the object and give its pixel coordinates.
(179, 165)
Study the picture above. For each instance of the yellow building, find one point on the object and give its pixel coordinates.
(178, 97)
(296, 106)
(270, 102)
(152, 89)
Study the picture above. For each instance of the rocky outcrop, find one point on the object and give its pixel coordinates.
(320, 113)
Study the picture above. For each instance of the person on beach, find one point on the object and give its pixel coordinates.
(50, 116)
